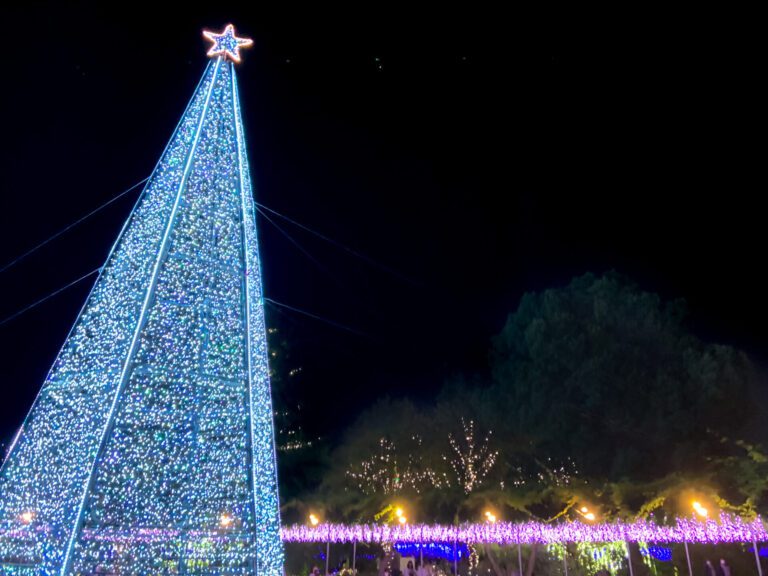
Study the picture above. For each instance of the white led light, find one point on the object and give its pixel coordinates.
(152, 436)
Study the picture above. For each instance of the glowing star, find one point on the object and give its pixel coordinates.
(226, 43)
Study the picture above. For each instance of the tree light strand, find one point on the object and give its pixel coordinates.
(150, 448)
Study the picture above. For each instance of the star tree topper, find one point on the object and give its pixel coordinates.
(226, 43)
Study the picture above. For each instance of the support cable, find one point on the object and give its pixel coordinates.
(70, 226)
(316, 317)
(51, 295)
(339, 245)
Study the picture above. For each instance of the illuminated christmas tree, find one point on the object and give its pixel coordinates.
(150, 447)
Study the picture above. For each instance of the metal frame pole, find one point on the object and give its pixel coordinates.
(688, 557)
(520, 558)
(565, 559)
(327, 556)
(455, 558)
(354, 557)
(629, 559)
(757, 559)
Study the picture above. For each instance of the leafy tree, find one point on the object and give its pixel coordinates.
(598, 393)
(607, 374)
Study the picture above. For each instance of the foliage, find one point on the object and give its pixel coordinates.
(597, 394)
(607, 374)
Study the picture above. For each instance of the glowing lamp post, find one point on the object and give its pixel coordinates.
(699, 509)
(702, 512)
(314, 521)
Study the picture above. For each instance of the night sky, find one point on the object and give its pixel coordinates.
(472, 156)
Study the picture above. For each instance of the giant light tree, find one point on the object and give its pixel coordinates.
(150, 447)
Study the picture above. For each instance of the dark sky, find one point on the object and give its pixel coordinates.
(480, 155)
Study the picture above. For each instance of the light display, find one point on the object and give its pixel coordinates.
(150, 447)
(660, 553)
(471, 461)
(725, 529)
(226, 44)
(392, 470)
(433, 550)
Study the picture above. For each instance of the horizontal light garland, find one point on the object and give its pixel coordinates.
(726, 529)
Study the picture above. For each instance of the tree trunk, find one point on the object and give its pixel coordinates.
(531, 560)
(494, 563)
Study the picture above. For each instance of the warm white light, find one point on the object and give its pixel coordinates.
(27, 517)
(584, 509)
(700, 510)
(314, 520)
(225, 520)
(402, 519)
(589, 516)
(226, 44)
(399, 512)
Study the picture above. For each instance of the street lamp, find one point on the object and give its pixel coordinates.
(314, 521)
(702, 512)
(584, 511)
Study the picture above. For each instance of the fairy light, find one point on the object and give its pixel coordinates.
(391, 470)
(157, 413)
(226, 43)
(727, 529)
(27, 517)
(661, 553)
(471, 460)
(433, 550)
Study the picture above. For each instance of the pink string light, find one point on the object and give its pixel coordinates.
(725, 529)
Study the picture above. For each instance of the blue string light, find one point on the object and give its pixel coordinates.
(661, 553)
(433, 550)
(150, 447)
(761, 551)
